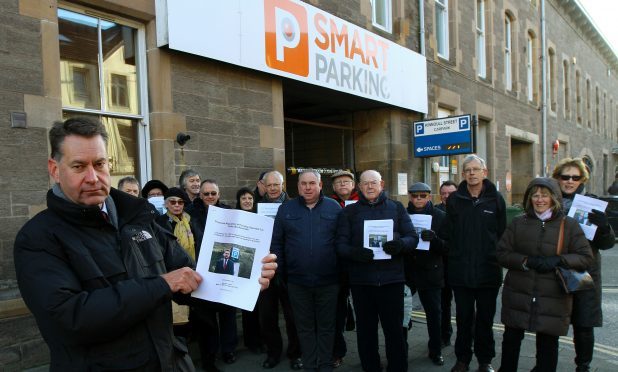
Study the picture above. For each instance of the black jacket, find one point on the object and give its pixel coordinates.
(199, 212)
(425, 269)
(198, 231)
(350, 226)
(304, 242)
(587, 309)
(472, 229)
(95, 290)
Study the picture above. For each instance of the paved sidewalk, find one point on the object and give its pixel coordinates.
(605, 357)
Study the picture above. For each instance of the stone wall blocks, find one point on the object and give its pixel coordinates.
(257, 157)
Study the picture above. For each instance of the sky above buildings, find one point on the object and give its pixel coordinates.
(603, 14)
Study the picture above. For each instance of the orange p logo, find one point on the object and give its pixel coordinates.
(287, 41)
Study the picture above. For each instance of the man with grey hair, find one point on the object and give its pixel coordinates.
(130, 185)
(304, 237)
(269, 300)
(475, 221)
(273, 182)
(377, 285)
(190, 182)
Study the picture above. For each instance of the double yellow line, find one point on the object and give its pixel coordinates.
(604, 349)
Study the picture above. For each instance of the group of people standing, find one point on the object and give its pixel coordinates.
(323, 258)
(98, 268)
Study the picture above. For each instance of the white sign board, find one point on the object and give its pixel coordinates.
(296, 40)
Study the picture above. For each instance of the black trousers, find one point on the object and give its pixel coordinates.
(340, 348)
(583, 339)
(215, 326)
(467, 300)
(431, 301)
(384, 304)
(447, 327)
(314, 311)
(546, 351)
(251, 334)
(268, 303)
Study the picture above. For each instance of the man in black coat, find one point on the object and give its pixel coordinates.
(424, 268)
(224, 265)
(377, 285)
(475, 221)
(95, 269)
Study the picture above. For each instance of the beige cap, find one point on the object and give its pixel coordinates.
(341, 173)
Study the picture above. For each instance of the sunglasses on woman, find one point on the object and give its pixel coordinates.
(174, 202)
(566, 177)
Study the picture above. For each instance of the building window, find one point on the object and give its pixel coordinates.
(441, 33)
(588, 104)
(597, 117)
(530, 68)
(100, 67)
(508, 54)
(578, 92)
(567, 89)
(551, 79)
(382, 15)
(481, 65)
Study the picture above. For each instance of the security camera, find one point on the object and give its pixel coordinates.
(182, 138)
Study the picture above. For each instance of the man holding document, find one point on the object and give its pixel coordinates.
(377, 274)
(424, 267)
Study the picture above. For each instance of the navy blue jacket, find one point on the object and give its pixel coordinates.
(304, 242)
(350, 239)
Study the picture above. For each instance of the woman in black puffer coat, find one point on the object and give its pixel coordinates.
(572, 176)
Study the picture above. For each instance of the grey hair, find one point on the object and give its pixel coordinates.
(274, 173)
(312, 171)
(375, 172)
(184, 175)
(473, 157)
(128, 179)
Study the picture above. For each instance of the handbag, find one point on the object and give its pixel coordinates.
(571, 280)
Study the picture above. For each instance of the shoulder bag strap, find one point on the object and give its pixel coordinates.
(560, 238)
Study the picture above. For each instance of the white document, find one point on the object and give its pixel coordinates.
(246, 238)
(349, 202)
(159, 203)
(268, 209)
(421, 222)
(582, 205)
(375, 234)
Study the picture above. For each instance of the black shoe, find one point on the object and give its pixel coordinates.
(296, 364)
(485, 367)
(209, 365)
(270, 363)
(437, 359)
(460, 367)
(229, 358)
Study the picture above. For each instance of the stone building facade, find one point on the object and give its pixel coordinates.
(484, 57)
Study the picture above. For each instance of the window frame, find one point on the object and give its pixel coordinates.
(387, 9)
(442, 43)
(508, 53)
(481, 57)
(144, 164)
(530, 67)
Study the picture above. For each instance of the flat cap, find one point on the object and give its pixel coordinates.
(341, 173)
(420, 187)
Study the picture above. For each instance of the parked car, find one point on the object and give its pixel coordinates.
(612, 210)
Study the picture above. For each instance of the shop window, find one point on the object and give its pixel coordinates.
(481, 64)
(442, 32)
(100, 73)
(382, 15)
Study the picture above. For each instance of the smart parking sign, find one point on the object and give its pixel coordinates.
(440, 137)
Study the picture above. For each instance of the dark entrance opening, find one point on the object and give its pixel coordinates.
(319, 131)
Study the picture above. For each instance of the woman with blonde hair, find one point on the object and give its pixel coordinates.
(572, 175)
